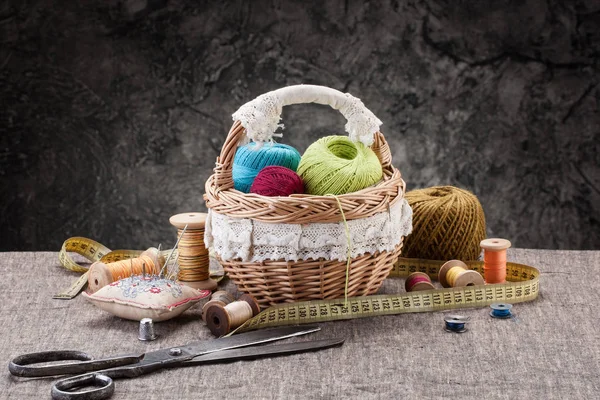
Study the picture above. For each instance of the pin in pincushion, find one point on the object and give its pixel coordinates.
(250, 159)
(277, 181)
(337, 165)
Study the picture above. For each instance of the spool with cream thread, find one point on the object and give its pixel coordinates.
(418, 281)
(193, 254)
(494, 258)
(223, 319)
(219, 297)
(456, 273)
(102, 274)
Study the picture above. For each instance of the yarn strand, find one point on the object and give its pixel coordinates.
(348, 249)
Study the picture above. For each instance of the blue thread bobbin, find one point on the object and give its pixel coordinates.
(456, 323)
(501, 310)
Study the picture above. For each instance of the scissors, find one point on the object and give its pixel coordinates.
(100, 373)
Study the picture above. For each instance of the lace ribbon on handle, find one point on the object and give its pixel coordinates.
(260, 117)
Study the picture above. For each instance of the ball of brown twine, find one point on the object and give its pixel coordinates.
(448, 223)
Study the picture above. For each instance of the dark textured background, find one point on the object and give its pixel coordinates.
(113, 112)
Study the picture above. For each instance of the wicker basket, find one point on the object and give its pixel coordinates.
(276, 281)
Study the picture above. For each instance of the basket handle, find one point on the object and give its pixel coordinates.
(259, 119)
(261, 116)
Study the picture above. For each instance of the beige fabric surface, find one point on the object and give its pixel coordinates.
(552, 352)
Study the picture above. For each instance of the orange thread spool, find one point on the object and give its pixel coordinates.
(456, 273)
(494, 259)
(102, 274)
(418, 281)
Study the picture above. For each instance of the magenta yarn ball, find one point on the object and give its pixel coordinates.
(277, 181)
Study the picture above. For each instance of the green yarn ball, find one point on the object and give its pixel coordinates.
(336, 165)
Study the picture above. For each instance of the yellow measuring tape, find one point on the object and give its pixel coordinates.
(94, 251)
(522, 285)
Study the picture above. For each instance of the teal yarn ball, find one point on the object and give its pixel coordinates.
(250, 159)
(336, 165)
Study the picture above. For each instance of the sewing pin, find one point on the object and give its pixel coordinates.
(172, 251)
(172, 273)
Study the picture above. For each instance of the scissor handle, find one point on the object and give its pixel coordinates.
(104, 387)
(20, 365)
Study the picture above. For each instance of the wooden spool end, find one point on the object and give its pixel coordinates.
(209, 284)
(219, 297)
(418, 286)
(217, 320)
(98, 277)
(495, 244)
(193, 220)
(446, 267)
(207, 306)
(253, 303)
(469, 278)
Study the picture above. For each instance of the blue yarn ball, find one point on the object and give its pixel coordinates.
(249, 160)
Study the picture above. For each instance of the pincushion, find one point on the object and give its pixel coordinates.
(137, 297)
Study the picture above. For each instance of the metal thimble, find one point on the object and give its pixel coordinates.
(147, 329)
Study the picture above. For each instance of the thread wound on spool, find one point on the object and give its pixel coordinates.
(456, 273)
(223, 319)
(102, 274)
(219, 297)
(418, 281)
(456, 323)
(193, 255)
(501, 310)
(250, 159)
(494, 259)
(277, 181)
(336, 165)
(448, 223)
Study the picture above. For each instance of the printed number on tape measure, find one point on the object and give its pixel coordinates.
(94, 251)
(522, 285)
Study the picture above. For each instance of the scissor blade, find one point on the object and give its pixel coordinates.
(248, 339)
(250, 353)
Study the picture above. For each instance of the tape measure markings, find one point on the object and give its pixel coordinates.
(94, 251)
(523, 286)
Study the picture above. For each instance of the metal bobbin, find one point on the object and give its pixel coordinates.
(456, 323)
(501, 310)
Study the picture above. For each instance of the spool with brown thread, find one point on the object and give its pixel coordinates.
(102, 274)
(418, 281)
(220, 297)
(448, 223)
(223, 319)
(494, 259)
(193, 255)
(456, 273)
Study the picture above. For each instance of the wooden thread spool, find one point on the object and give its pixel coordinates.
(494, 259)
(223, 319)
(219, 297)
(418, 281)
(456, 273)
(193, 254)
(102, 274)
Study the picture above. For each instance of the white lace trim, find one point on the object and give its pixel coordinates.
(249, 240)
(261, 116)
